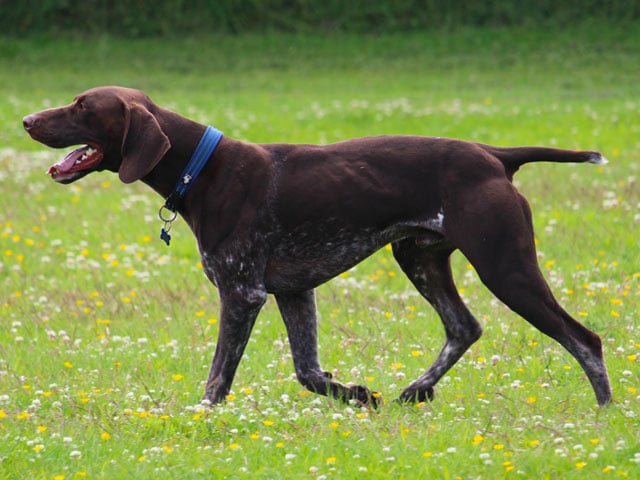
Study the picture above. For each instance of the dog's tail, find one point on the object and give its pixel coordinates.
(514, 157)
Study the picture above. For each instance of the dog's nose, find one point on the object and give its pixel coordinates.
(29, 121)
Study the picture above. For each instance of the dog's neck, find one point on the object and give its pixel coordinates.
(184, 135)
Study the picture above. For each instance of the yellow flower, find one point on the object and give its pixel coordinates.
(268, 423)
(477, 439)
(331, 460)
(41, 428)
(3, 414)
(177, 377)
(234, 446)
(105, 436)
(581, 465)
(68, 364)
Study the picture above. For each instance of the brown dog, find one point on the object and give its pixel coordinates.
(283, 219)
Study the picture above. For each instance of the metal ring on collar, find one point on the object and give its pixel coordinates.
(167, 218)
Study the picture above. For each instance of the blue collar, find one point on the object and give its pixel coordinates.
(203, 151)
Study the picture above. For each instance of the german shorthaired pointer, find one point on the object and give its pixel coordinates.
(282, 219)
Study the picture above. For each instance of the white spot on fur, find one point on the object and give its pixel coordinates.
(436, 224)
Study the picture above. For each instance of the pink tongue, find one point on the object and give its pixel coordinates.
(69, 161)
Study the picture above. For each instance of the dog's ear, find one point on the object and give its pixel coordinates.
(143, 144)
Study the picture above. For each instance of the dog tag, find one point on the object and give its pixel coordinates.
(164, 236)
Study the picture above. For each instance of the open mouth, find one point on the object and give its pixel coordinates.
(76, 163)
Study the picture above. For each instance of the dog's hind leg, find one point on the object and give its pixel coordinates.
(299, 314)
(501, 248)
(429, 270)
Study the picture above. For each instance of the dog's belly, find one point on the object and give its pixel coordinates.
(308, 257)
(299, 267)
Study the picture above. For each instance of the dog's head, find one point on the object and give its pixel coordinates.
(116, 127)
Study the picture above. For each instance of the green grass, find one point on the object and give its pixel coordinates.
(106, 335)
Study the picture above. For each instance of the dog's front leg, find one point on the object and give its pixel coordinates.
(239, 308)
(299, 314)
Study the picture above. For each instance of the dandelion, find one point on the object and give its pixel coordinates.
(3, 414)
(68, 364)
(477, 439)
(105, 436)
(331, 460)
(41, 429)
(234, 446)
(268, 423)
(581, 465)
(177, 377)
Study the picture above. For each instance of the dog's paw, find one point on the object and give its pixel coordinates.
(416, 395)
(365, 397)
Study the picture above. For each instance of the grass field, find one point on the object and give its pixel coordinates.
(106, 335)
